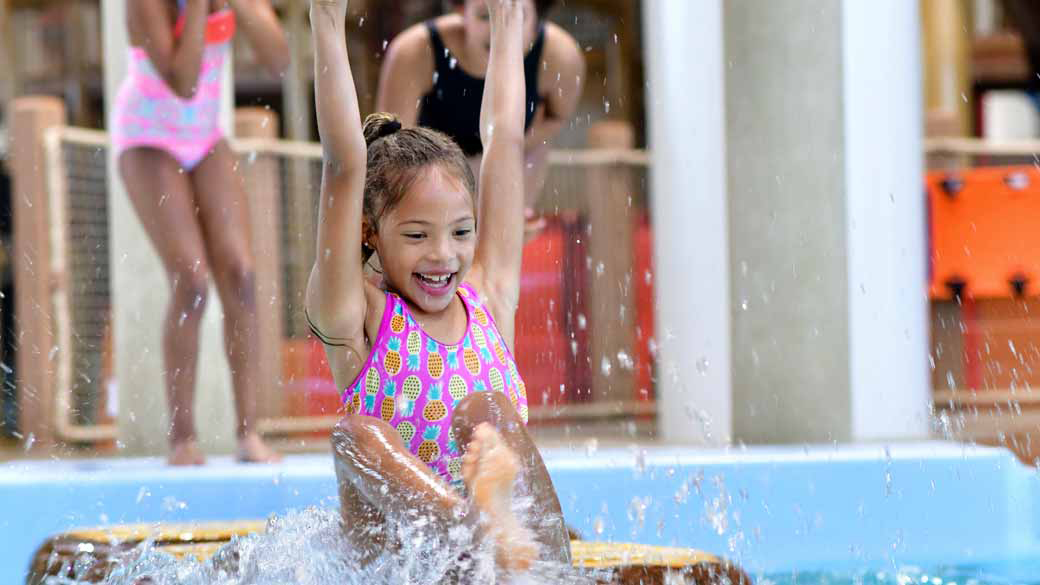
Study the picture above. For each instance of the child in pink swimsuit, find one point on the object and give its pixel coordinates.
(179, 174)
(432, 395)
(148, 113)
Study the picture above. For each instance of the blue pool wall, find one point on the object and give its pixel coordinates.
(771, 509)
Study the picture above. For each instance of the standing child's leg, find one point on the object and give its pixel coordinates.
(164, 200)
(224, 216)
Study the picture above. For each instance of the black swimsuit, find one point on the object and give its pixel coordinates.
(453, 104)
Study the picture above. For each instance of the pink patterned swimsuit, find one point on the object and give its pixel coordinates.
(414, 382)
(149, 114)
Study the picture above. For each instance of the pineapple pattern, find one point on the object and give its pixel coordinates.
(407, 432)
(414, 382)
(389, 405)
(434, 361)
(414, 347)
(457, 388)
(392, 359)
(435, 410)
(429, 449)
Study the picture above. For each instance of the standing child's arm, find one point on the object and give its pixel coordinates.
(177, 60)
(265, 34)
(500, 217)
(335, 292)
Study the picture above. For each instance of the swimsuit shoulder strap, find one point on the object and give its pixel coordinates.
(534, 56)
(440, 57)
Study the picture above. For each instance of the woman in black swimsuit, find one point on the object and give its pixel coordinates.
(433, 76)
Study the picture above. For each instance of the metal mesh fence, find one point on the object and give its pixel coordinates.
(584, 324)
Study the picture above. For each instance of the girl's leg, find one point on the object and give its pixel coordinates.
(379, 478)
(224, 216)
(163, 198)
(495, 409)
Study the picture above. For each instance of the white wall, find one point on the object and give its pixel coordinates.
(685, 107)
(887, 255)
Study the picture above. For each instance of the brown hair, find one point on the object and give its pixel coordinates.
(396, 158)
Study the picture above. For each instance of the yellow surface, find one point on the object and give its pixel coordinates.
(600, 555)
(185, 533)
(202, 541)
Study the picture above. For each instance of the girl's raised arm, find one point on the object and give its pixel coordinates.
(335, 292)
(500, 217)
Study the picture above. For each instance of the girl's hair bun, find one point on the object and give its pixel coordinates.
(379, 125)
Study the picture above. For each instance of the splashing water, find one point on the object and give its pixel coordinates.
(309, 547)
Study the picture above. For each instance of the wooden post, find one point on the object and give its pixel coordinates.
(297, 102)
(611, 294)
(947, 63)
(261, 180)
(8, 67)
(30, 118)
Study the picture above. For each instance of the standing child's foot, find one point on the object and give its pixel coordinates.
(252, 449)
(186, 453)
(489, 469)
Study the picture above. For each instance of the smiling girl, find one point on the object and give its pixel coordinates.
(436, 409)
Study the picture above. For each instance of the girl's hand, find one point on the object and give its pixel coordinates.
(494, 5)
(336, 9)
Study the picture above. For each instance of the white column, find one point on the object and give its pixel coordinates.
(139, 296)
(826, 217)
(685, 107)
(887, 259)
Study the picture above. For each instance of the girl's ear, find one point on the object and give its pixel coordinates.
(368, 234)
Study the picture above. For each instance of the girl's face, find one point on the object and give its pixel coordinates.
(426, 243)
(477, 23)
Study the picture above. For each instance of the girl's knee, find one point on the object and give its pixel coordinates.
(484, 407)
(355, 435)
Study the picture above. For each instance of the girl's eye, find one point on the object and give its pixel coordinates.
(415, 236)
(463, 232)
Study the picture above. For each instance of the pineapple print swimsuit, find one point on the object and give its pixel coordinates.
(413, 382)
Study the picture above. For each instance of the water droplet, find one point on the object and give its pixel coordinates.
(452, 63)
(598, 525)
(582, 321)
(591, 446)
(743, 304)
(605, 366)
(702, 366)
(385, 44)
(29, 442)
(624, 360)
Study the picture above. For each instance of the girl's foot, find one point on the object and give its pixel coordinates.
(252, 449)
(186, 453)
(489, 469)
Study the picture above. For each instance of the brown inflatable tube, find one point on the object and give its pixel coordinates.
(90, 554)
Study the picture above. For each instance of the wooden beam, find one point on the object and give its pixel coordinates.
(30, 119)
